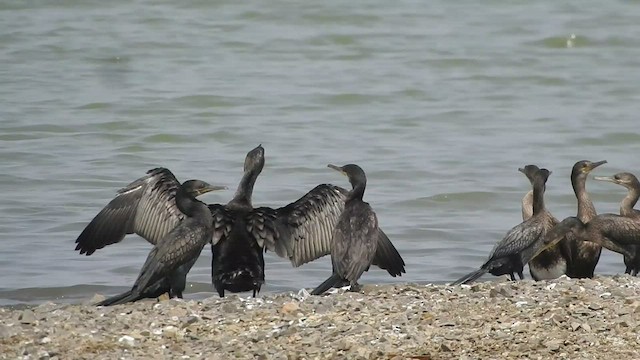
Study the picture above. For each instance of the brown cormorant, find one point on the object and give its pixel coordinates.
(612, 231)
(584, 254)
(355, 236)
(521, 243)
(166, 214)
(552, 262)
(300, 231)
(630, 182)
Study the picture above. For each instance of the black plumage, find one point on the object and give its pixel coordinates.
(521, 243)
(300, 231)
(151, 207)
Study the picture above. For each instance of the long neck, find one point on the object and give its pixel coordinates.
(527, 205)
(586, 210)
(629, 201)
(186, 203)
(245, 188)
(358, 191)
(538, 197)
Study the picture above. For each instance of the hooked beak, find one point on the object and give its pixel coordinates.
(605, 178)
(208, 188)
(336, 168)
(596, 164)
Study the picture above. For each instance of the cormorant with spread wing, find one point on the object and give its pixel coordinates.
(300, 231)
(165, 213)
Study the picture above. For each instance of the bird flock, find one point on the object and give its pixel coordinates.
(327, 220)
(331, 220)
(572, 246)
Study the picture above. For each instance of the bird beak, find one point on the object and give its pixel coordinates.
(605, 178)
(596, 164)
(208, 188)
(336, 168)
(521, 170)
(550, 240)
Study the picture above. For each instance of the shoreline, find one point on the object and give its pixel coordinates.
(562, 318)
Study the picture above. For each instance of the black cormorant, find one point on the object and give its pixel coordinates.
(551, 263)
(584, 255)
(630, 182)
(300, 231)
(166, 214)
(355, 236)
(521, 243)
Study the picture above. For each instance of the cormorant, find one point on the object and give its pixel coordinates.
(300, 231)
(612, 231)
(552, 262)
(630, 182)
(166, 214)
(584, 255)
(355, 236)
(521, 243)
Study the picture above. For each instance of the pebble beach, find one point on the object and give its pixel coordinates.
(564, 319)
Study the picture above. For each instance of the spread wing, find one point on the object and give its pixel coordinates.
(301, 231)
(223, 220)
(146, 207)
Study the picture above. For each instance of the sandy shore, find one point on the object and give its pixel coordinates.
(573, 319)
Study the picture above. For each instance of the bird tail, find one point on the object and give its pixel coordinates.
(123, 298)
(327, 284)
(470, 277)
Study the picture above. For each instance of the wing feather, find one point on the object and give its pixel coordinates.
(223, 220)
(145, 207)
(518, 239)
(306, 225)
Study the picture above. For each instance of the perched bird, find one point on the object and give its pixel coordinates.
(165, 213)
(630, 182)
(584, 254)
(355, 236)
(552, 262)
(300, 231)
(522, 242)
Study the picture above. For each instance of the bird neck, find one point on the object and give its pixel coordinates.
(186, 203)
(245, 188)
(538, 197)
(357, 193)
(586, 210)
(527, 205)
(629, 201)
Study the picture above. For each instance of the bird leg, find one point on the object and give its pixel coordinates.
(355, 287)
(521, 275)
(513, 277)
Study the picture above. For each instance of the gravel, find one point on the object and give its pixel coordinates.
(563, 318)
